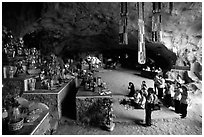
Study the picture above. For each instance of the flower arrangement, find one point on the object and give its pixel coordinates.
(108, 116)
(11, 89)
(10, 93)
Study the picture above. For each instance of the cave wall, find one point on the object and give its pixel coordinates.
(94, 26)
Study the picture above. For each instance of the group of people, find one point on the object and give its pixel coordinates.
(177, 96)
(170, 94)
(144, 98)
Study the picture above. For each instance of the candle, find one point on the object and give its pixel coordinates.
(4, 71)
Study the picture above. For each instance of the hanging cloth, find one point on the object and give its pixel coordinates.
(156, 22)
(123, 37)
(141, 34)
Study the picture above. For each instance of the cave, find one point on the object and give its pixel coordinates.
(171, 35)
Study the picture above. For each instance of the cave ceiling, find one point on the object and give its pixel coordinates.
(94, 25)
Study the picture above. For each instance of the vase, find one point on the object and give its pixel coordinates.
(15, 122)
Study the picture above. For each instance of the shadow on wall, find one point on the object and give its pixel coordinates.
(69, 103)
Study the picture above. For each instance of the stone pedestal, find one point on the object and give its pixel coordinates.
(91, 107)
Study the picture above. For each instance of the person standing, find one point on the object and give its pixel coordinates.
(168, 94)
(184, 102)
(149, 106)
(156, 78)
(161, 85)
(177, 98)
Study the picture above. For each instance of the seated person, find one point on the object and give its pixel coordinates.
(144, 88)
(131, 88)
(142, 100)
(137, 97)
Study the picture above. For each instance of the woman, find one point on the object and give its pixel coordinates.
(131, 88)
(137, 97)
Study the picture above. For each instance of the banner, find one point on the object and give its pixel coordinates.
(141, 34)
(156, 22)
(123, 37)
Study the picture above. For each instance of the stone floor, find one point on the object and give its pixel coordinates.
(130, 121)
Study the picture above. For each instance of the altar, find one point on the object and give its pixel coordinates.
(93, 107)
(53, 98)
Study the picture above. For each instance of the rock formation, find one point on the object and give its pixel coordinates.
(78, 27)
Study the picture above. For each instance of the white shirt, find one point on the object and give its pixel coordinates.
(184, 97)
(162, 85)
(177, 95)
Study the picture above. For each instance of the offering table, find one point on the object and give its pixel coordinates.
(92, 107)
(53, 98)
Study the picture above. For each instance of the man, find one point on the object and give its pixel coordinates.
(156, 78)
(149, 106)
(177, 98)
(184, 102)
(161, 85)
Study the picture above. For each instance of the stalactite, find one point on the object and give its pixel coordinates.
(141, 34)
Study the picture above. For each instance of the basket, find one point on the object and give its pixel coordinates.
(16, 126)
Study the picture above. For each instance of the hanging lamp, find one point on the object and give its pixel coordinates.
(123, 37)
(141, 33)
